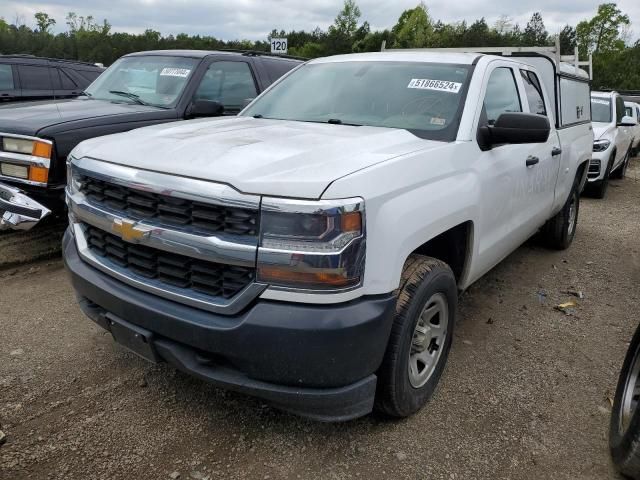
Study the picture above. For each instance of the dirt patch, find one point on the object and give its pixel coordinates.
(525, 395)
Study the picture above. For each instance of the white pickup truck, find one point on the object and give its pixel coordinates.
(311, 251)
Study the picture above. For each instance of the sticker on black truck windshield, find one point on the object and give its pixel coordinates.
(439, 85)
(175, 72)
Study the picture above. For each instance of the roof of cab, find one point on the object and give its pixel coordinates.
(405, 56)
(603, 94)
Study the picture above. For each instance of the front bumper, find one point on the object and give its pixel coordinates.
(317, 361)
(18, 211)
(598, 165)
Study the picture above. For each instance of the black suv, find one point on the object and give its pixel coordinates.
(25, 77)
(138, 90)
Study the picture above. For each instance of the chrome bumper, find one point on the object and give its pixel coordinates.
(18, 211)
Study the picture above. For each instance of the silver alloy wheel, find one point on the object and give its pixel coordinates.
(573, 211)
(631, 394)
(428, 340)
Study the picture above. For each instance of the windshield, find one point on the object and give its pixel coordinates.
(424, 98)
(152, 80)
(600, 110)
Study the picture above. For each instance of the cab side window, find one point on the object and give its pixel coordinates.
(533, 91)
(230, 83)
(502, 94)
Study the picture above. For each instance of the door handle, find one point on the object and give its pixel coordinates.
(531, 161)
(556, 151)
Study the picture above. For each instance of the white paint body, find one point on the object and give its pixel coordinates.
(619, 138)
(413, 189)
(634, 131)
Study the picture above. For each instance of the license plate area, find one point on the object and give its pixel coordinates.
(136, 339)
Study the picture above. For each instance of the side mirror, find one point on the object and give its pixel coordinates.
(627, 122)
(205, 108)
(514, 128)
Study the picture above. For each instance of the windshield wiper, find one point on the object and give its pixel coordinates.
(337, 121)
(130, 95)
(85, 94)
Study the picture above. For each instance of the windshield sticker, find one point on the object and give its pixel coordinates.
(601, 102)
(438, 121)
(175, 72)
(439, 85)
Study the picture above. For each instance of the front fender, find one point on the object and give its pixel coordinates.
(409, 201)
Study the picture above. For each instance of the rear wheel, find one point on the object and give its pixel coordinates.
(624, 429)
(560, 230)
(420, 338)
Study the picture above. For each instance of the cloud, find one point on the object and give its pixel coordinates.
(254, 19)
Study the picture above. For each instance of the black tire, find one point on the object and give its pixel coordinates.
(559, 231)
(423, 279)
(621, 171)
(624, 438)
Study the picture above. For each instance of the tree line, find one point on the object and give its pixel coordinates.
(606, 35)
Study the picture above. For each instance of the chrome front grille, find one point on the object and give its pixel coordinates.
(187, 240)
(180, 271)
(197, 217)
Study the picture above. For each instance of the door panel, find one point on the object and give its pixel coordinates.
(514, 198)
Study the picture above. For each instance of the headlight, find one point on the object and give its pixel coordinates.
(601, 145)
(35, 147)
(26, 158)
(312, 245)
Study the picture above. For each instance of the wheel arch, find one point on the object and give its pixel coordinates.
(453, 246)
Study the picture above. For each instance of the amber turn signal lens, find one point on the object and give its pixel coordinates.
(351, 222)
(41, 149)
(304, 279)
(38, 174)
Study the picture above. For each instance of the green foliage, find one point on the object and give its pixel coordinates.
(414, 28)
(535, 33)
(604, 33)
(615, 64)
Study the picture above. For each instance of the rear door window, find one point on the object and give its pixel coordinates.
(35, 78)
(533, 91)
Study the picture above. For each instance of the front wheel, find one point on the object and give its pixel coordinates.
(624, 429)
(560, 230)
(621, 171)
(420, 338)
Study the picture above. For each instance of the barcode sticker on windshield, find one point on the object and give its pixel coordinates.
(439, 85)
(175, 72)
(601, 102)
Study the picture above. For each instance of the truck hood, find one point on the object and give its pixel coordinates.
(260, 156)
(29, 118)
(599, 129)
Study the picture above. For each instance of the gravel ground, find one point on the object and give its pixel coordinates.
(526, 393)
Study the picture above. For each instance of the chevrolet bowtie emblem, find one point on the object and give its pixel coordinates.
(128, 231)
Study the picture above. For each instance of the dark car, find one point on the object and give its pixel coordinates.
(25, 77)
(138, 90)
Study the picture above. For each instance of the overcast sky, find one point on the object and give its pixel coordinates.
(254, 19)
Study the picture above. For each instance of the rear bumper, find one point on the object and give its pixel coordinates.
(17, 210)
(316, 361)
